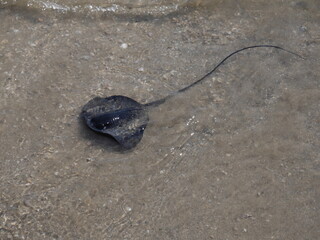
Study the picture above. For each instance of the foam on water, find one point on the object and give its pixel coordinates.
(152, 7)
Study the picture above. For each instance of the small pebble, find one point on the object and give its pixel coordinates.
(124, 45)
(128, 209)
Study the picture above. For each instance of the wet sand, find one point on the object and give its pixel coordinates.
(236, 157)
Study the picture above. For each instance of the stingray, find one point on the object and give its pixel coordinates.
(125, 119)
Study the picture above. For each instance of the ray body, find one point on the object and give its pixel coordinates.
(125, 119)
(118, 116)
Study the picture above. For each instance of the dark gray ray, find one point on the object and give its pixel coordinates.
(118, 116)
(125, 119)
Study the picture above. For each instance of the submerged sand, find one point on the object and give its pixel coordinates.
(237, 157)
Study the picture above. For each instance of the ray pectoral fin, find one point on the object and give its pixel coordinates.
(130, 130)
(125, 126)
(131, 139)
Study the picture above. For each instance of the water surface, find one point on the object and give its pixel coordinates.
(236, 157)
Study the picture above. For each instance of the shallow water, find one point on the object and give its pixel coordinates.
(236, 157)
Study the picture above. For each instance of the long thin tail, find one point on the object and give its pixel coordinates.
(160, 101)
